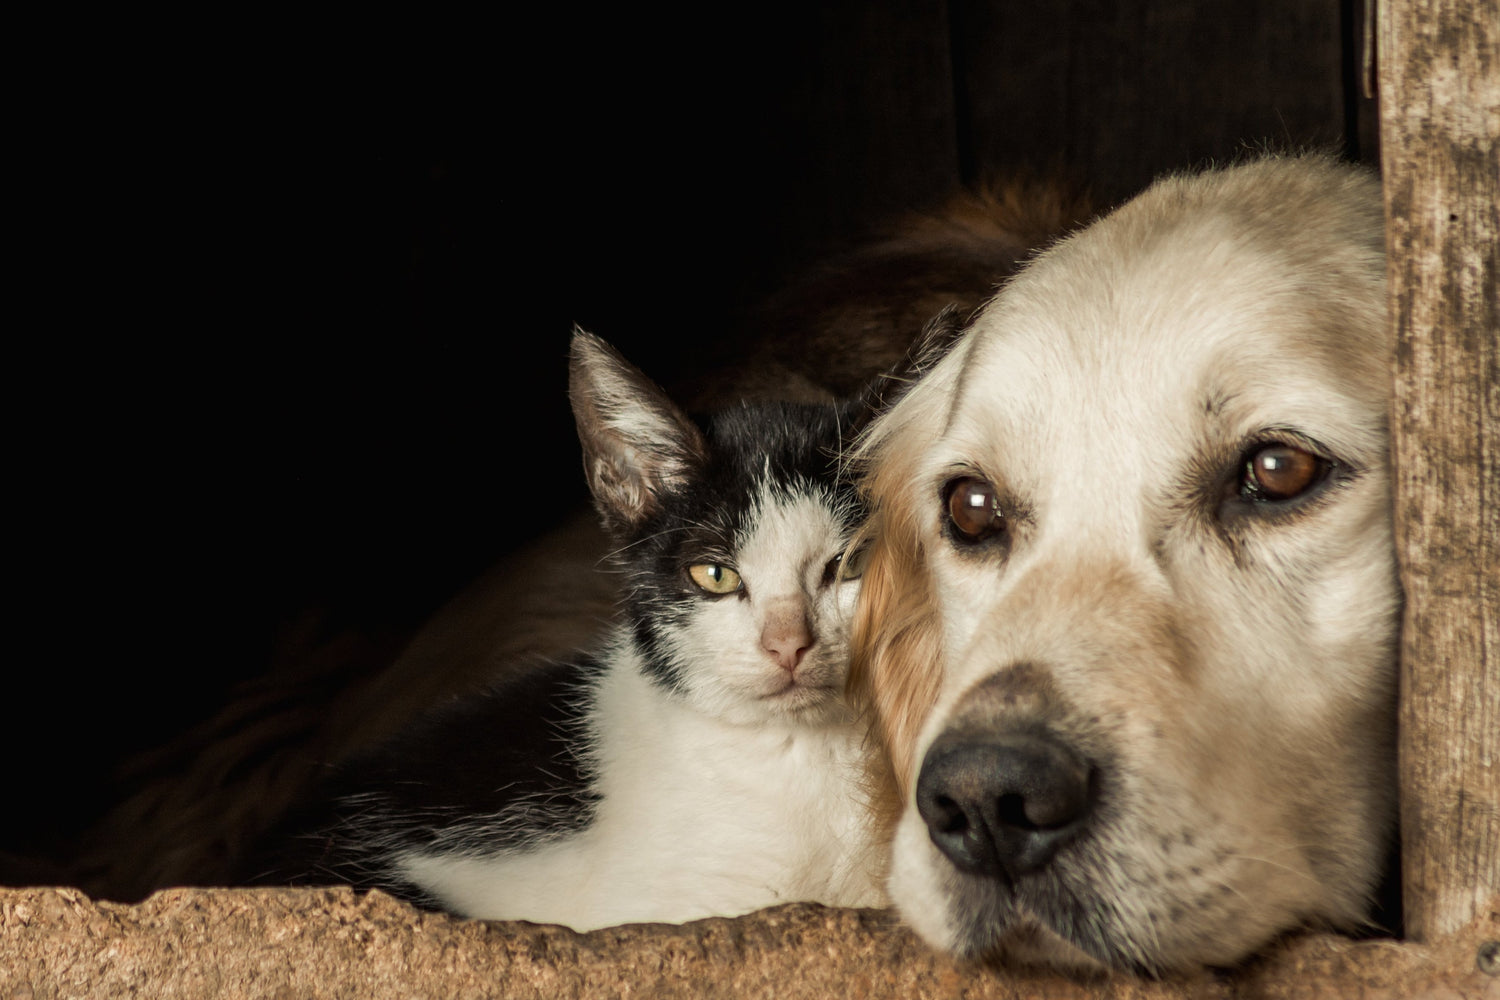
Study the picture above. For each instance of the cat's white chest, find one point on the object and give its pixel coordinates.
(697, 818)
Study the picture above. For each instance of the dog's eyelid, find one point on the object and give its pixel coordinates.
(1226, 462)
(1283, 436)
(955, 471)
(1268, 437)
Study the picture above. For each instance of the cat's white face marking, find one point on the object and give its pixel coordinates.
(778, 648)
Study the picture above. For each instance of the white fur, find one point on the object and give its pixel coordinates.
(700, 817)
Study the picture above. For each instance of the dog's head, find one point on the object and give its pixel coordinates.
(1128, 629)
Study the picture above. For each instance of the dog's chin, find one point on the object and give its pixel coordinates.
(1053, 921)
(971, 917)
(1028, 943)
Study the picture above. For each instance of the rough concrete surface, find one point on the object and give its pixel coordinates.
(316, 943)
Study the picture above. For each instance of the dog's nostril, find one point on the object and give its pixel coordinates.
(1003, 802)
(948, 816)
(1011, 810)
(1060, 798)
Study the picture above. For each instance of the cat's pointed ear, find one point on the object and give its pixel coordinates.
(637, 445)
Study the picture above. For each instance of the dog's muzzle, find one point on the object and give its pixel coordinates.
(1002, 803)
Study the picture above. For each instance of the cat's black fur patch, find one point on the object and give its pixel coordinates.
(454, 780)
(794, 445)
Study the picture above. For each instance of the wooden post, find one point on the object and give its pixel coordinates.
(1440, 152)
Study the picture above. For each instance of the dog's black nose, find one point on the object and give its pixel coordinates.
(1003, 802)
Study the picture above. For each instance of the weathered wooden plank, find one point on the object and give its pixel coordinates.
(860, 117)
(1121, 91)
(1440, 124)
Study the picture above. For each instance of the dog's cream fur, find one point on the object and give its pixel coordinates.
(1224, 665)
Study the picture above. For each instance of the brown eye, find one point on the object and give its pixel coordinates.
(1281, 472)
(974, 509)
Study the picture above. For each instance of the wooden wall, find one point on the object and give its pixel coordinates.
(1440, 90)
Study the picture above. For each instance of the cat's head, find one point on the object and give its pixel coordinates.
(730, 536)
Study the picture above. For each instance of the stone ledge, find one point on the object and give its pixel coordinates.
(334, 943)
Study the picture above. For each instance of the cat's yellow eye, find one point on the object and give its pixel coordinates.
(855, 562)
(846, 565)
(714, 578)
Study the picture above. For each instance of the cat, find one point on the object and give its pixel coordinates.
(702, 761)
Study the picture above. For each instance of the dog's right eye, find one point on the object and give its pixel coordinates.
(1279, 472)
(974, 509)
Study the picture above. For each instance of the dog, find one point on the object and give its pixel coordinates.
(1129, 624)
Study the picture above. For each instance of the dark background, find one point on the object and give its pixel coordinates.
(305, 290)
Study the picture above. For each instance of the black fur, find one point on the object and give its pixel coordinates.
(448, 779)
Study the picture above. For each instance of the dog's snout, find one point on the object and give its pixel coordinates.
(1003, 802)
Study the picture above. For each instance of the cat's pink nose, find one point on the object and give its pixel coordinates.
(786, 637)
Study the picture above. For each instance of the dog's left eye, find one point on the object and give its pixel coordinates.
(974, 509)
(1279, 472)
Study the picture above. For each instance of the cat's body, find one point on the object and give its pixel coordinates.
(702, 761)
(673, 814)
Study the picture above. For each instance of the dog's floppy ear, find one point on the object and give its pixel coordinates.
(896, 662)
(637, 444)
(896, 666)
(936, 340)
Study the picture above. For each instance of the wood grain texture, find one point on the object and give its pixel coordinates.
(1123, 91)
(1440, 124)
